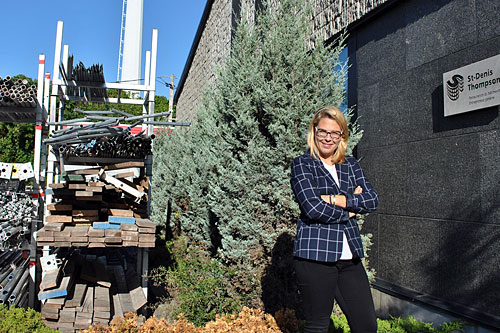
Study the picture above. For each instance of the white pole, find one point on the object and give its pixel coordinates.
(152, 77)
(171, 99)
(37, 195)
(145, 106)
(53, 103)
(46, 95)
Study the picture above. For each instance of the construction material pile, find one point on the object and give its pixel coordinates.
(17, 94)
(16, 214)
(86, 287)
(17, 210)
(14, 274)
(118, 232)
(81, 74)
(103, 136)
(100, 207)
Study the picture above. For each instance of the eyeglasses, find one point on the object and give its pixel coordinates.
(322, 134)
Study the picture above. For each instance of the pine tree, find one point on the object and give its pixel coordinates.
(228, 175)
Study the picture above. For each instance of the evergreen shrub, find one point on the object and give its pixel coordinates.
(399, 325)
(198, 286)
(20, 320)
(227, 176)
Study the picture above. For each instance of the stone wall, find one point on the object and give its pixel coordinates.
(437, 228)
(213, 48)
(329, 18)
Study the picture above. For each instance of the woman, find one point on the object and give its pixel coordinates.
(331, 189)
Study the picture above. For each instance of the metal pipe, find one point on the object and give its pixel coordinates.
(19, 285)
(67, 122)
(24, 294)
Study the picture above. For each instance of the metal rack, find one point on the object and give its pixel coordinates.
(62, 85)
(38, 116)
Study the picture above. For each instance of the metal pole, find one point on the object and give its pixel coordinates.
(146, 83)
(171, 98)
(152, 77)
(53, 103)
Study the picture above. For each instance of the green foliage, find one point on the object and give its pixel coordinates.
(161, 105)
(15, 320)
(227, 177)
(24, 77)
(17, 142)
(17, 139)
(199, 286)
(399, 325)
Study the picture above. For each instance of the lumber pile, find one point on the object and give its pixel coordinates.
(100, 207)
(88, 289)
(116, 232)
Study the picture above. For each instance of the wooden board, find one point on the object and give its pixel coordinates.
(145, 223)
(128, 227)
(124, 165)
(130, 238)
(54, 226)
(90, 198)
(57, 186)
(44, 238)
(96, 245)
(146, 244)
(44, 233)
(80, 231)
(95, 232)
(96, 240)
(117, 307)
(112, 233)
(136, 292)
(113, 239)
(86, 172)
(76, 239)
(66, 316)
(77, 296)
(101, 299)
(58, 218)
(51, 279)
(86, 220)
(124, 175)
(59, 207)
(149, 231)
(85, 212)
(77, 186)
(83, 194)
(121, 212)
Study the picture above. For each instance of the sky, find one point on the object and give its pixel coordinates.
(92, 32)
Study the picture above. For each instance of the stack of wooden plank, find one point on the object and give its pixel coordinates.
(89, 289)
(100, 207)
(116, 232)
(90, 195)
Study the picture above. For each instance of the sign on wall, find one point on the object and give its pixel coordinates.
(472, 87)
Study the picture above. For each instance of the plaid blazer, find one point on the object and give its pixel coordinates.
(321, 225)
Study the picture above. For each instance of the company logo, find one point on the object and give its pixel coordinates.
(454, 87)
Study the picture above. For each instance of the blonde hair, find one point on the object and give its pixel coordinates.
(334, 113)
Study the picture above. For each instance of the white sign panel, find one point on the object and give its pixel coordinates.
(472, 87)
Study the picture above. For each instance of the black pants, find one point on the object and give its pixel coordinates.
(346, 281)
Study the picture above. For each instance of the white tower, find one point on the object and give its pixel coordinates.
(129, 61)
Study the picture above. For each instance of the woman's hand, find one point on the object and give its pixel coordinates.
(340, 200)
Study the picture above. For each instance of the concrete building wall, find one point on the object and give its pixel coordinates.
(437, 229)
(438, 225)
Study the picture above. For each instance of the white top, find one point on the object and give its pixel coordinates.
(346, 250)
